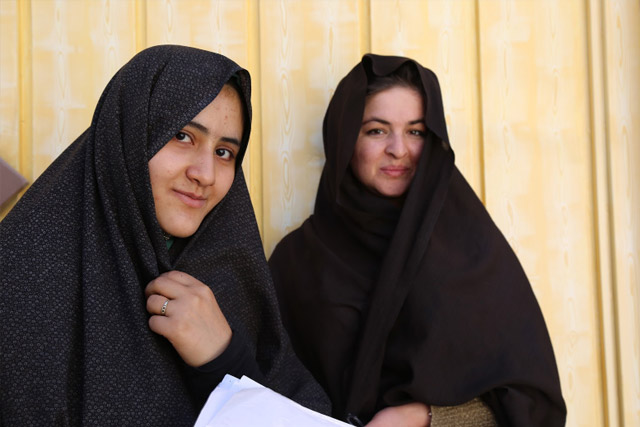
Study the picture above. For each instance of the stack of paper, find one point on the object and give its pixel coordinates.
(244, 402)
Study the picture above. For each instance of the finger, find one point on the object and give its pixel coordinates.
(164, 285)
(156, 302)
(160, 325)
(179, 276)
(152, 287)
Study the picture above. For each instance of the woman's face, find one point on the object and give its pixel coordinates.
(196, 168)
(391, 138)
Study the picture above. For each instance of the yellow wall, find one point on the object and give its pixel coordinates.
(542, 99)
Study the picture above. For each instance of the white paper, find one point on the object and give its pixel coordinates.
(244, 402)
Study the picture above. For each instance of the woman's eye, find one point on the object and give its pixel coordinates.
(224, 153)
(375, 132)
(182, 137)
(416, 132)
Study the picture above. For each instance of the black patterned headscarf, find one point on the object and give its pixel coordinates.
(424, 302)
(79, 248)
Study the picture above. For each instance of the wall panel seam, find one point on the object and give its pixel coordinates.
(141, 24)
(603, 216)
(607, 173)
(256, 186)
(364, 8)
(25, 82)
(480, 115)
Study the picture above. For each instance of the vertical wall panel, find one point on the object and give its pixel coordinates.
(623, 82)
(214, 25)
(538, 174)
(77, 46)
(541, 102)
(108, 27)
(306, 48)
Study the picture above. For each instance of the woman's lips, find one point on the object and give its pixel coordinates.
(191, 199)
(394, 171)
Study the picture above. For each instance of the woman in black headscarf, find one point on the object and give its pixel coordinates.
(146, 213)
(399, 292)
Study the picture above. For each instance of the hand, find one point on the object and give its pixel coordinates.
(192, 321)
(410, 415)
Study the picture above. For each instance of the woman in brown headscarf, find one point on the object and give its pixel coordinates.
(399, 292)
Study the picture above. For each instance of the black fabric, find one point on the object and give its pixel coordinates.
(79, 248)
(435, 308)
(235, 360)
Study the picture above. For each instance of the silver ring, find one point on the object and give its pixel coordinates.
(163, 310)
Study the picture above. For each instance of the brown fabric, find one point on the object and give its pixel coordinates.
(10, 181)
(427, 303)
(475, 413)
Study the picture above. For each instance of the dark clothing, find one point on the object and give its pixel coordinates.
(418, 298)
(80, 247)
(235, 360)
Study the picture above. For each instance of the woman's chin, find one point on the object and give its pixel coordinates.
(391, 192)
(180, 229)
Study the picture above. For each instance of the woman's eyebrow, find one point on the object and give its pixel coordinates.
(202, 128)
(231, 140)
(385, 122)
(375, 119)
(205, 130)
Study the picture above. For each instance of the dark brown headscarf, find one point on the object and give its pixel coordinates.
(424, 303)
(79, 248)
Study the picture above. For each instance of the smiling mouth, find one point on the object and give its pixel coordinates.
(394, 171)
(191, 199)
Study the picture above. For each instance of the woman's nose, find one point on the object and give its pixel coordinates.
(397, 146)
(202, 169)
